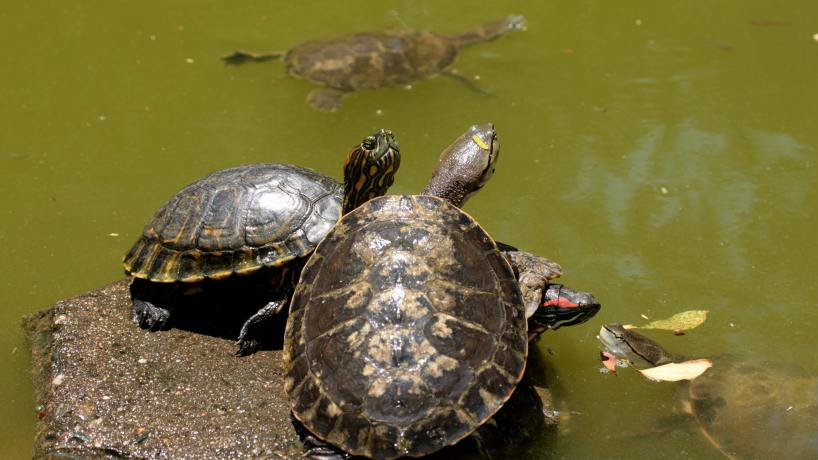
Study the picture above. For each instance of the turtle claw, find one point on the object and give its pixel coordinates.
(531, 287)
(246, 347)
(247, 343)
(149, 316)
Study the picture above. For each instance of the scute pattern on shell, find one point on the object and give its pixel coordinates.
(406, 332)
(236, 221)
(371, 59)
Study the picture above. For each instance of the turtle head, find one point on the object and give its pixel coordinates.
(637, 349)
(370, 168)
(466, 165)
(563, 306)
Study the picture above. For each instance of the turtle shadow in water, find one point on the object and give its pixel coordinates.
(218, 308)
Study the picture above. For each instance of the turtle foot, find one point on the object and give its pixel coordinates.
(314, 448)
(317, 450)
(247, 347)
(533, 273)
(326, 99)
(149, 316)
(255, 329)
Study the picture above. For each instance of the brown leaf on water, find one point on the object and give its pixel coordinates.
(683, 321)
(673, 372)
(608, 360)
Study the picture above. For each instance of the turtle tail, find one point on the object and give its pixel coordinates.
(488, 31)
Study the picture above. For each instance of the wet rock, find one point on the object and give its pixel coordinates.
(107, 389)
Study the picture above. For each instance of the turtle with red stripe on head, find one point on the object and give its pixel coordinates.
(548, 305)
(561, 306)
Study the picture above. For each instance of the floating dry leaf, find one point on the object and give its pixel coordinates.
(673, 372)
(608, 360)
(683, 321)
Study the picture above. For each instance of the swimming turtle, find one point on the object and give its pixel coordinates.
(377, 59)
(408, 330)
(252, 225)
(746, 408)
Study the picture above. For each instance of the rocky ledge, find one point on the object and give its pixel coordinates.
(107, 389)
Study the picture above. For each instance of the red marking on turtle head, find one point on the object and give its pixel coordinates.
(560, 302)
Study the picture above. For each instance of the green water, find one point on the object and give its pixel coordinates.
(663, 152)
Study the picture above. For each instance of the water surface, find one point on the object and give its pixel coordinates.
(664, 153)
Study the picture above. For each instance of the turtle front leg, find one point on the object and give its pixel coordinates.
(254, 329)
(327, 99)
(149, 316)
(533, 274)
(143, 312)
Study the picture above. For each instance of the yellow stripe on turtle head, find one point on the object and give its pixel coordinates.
(479, 141)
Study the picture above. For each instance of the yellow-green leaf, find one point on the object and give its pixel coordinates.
(674, 372)
(683, 321)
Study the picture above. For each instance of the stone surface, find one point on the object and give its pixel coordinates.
(108, 389)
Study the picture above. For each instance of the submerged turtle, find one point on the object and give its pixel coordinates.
(261, 219)
(408, 328)
(746, 408)
(377, 59)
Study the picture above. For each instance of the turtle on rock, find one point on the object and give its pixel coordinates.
(408, 329)
(251, 226)
(746, 408)
(378, 59)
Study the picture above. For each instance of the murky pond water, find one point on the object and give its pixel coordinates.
(665, 154)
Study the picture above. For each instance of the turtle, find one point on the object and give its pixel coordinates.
(408, 329)
(248, 226)
(378, 59)
(744, 407)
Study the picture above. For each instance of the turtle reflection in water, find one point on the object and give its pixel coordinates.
(408, 329)
(746, 408)
(378, 59)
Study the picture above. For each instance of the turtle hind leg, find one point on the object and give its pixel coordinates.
(326, 99)
(467, 80)
(314, 448)
(242, 57)
(145, 313)
(255, 329)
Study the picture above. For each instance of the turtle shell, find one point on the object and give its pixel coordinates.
(756, 409)
(371, 59)
(406, 332)
(236, 221)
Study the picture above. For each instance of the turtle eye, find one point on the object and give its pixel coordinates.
(369, 143)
